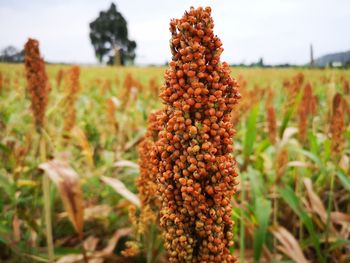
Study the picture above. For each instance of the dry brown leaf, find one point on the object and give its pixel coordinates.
(315, 201)
(115, 101)
(98, 211)
(16, 226)
(68, 184)
(126, 163)
(90, 243)
(120, 188)
(297, 164)
(91, 213)
(135, 141)
(344, 162)
(287, 134)
(108, 250)
(340, 218)
(98, 256)
(73, 258)
(289, 245)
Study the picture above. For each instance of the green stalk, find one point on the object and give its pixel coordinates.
(329, 208)
(150, 244)
(81, 238)
(47, 204)
(275, 211)
(242, 224)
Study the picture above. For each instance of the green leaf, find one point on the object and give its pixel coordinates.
(256, 183)
(293, 201)
(262, 213)
(327, 150)
(344, 179)
(289, 114)
(8, 186)
(313, 143)
(251, 131)
(285, 121)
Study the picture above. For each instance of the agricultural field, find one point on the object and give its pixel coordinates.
(292, 147)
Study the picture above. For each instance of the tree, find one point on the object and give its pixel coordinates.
(109, 34)
(11, 54)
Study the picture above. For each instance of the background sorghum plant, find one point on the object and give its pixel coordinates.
(37, 82)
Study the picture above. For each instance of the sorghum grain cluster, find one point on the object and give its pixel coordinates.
(72, 88)
(147, 181)
(37, 81)
(196, 173)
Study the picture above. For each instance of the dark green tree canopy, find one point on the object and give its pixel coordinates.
(109, 32)
(11, 54)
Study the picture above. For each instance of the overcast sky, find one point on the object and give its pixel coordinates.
(280, 31)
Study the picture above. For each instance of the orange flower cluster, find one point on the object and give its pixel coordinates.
(196, 172)
(72, 88)
(37, 81)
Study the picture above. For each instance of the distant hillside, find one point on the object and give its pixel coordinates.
(335, 59)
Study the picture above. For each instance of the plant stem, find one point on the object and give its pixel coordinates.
(47, 204)
(242, 224)
(85, 258)
(150, 244)
(275, 211)
(329, 208)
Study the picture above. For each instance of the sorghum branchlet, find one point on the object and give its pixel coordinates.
(72, 88)
(271, 123)
(1, 82)
(147, 182)
(346, 87)
(337, 126)
(111, 110)
(196, 172)
(131, 87)
(153, 87)
(307, 108)
(281, 163)
(252, 98)
(293, 88)
(37, 81)
(59, 77)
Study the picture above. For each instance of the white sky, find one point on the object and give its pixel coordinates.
(278, 30)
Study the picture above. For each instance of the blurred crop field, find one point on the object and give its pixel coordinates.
(292, 147)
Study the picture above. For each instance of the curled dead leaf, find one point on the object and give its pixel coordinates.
(99, 256)
(289, 245)
(120, 188)
(315, 201)
(126, 163)
(287, 134)
(68, 184)
(340, 218)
